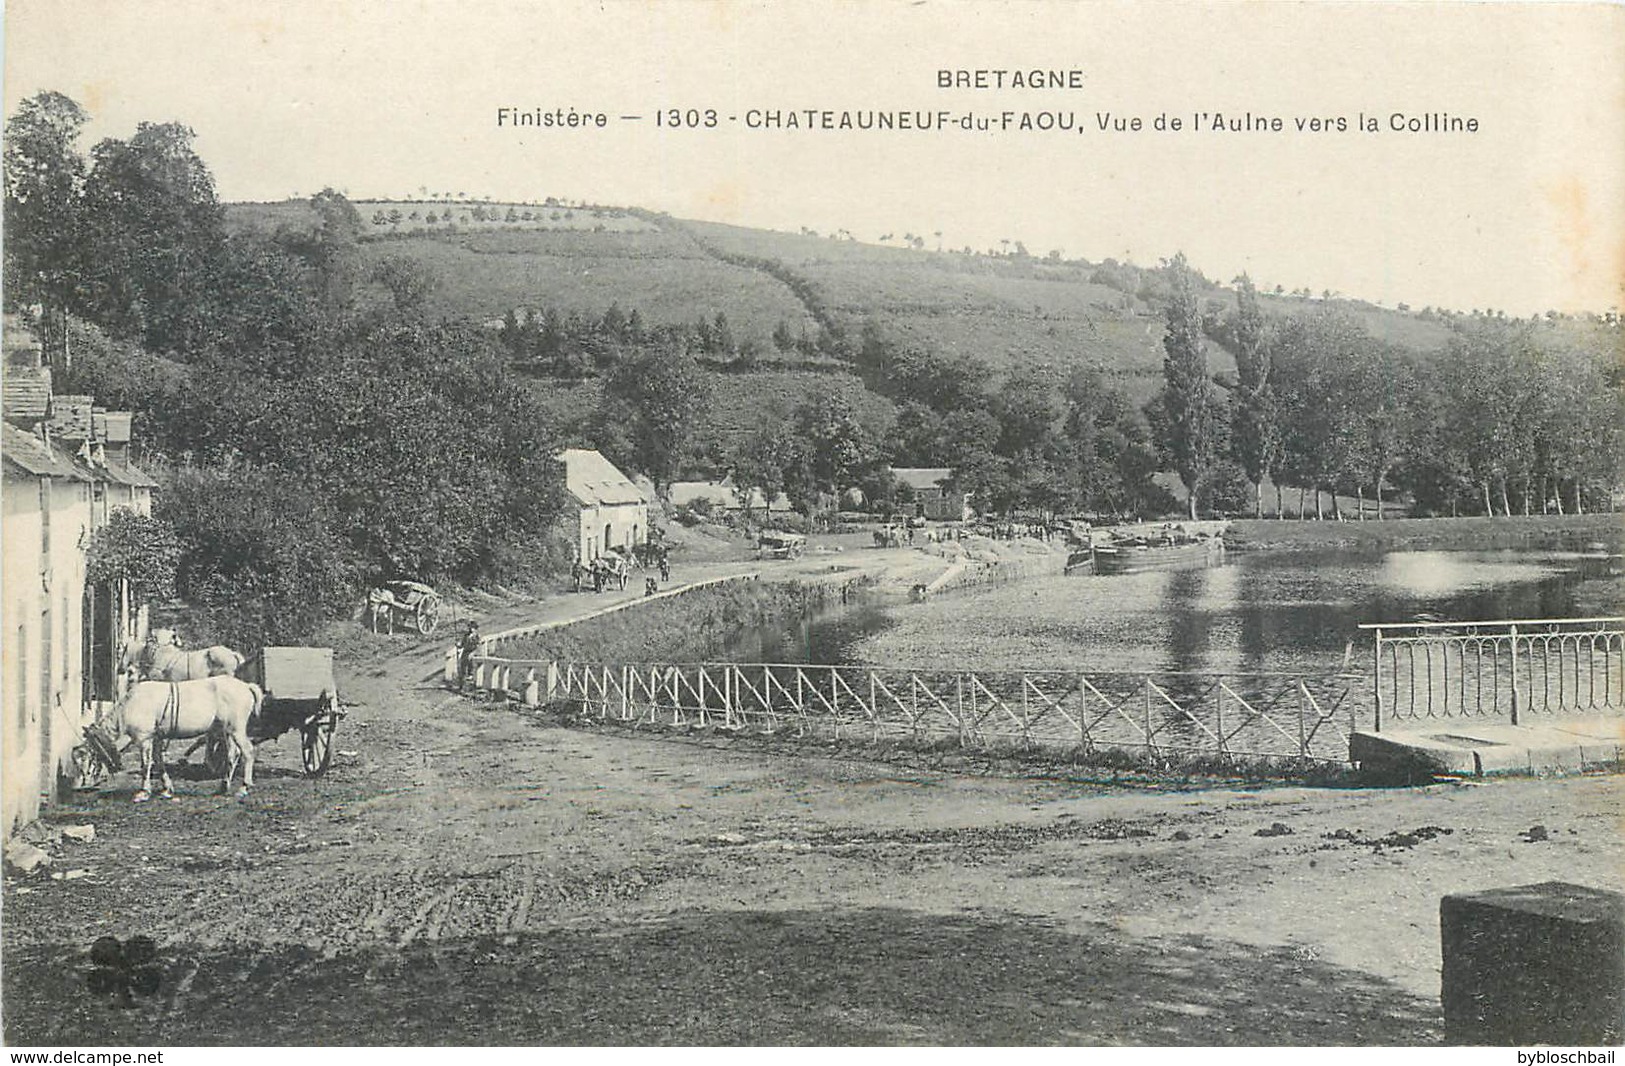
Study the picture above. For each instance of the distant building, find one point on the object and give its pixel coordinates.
(66, 468)
(612, 512)
(724, 496)
(932, 497)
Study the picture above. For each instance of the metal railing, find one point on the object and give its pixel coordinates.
(1252, 715)
(1502, 669)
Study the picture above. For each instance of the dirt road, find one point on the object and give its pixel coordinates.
(467, 873)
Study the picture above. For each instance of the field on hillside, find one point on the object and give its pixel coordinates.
(493, 217)
(1006, 311)
(738, 402)
(483, 276)
(475, 216)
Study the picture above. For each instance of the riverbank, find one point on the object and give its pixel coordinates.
(697, 625)
(705, 618)
(1552, 532)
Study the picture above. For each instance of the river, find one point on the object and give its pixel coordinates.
(1256, 612)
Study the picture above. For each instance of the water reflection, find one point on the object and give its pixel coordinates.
(1257, 613)
(1190, 617)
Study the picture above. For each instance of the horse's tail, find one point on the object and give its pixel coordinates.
(259, 700)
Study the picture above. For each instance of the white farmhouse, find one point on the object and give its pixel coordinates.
(66, 468)
(612, 512)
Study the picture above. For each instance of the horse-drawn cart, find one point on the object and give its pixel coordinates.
(300, 693)
(405, 602)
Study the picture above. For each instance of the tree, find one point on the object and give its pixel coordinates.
(410, 282)
(140, 549)
(916, 435)
(760, 461)
(1029, 410)
(1381, 386)
(1255, 432)
(1315, 359)
(44, 180)
(722, 336)
(841, 450)
(154, 230)
(336, 249)
(665, 394)
(1187, 395)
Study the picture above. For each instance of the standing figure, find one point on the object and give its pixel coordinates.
(468, 646)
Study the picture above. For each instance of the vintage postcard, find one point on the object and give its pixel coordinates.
(537, 522)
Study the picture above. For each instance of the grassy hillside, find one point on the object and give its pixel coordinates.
(739, 402)
(1004, 311)
(484, 275)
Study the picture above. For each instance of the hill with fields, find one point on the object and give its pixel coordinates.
(812, 315)
(1005, 310)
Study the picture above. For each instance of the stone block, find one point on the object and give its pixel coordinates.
(1533, 964)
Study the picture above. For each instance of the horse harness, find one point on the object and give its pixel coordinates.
(171, 710)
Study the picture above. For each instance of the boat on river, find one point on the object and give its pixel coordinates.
(1140, 554)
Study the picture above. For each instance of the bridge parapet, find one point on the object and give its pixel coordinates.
(1509, 669)
(1292, 716)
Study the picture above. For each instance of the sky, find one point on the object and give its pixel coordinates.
(385, 99)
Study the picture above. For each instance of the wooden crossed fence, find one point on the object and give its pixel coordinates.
(1246, 715)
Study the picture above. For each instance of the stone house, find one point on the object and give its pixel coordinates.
(611, 510)
(933, 498)
(66, 468)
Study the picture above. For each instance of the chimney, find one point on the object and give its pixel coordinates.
(70, 419)
(115, 436)
(22, 348)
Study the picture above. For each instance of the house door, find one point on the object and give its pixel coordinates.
(100, 642)
(609, 537)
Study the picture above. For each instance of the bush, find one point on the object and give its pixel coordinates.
(137, 548)
(1225, 489)
(259, 561)
(696, 511)
(786, 521)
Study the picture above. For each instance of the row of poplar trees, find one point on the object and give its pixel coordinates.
(1511, 417)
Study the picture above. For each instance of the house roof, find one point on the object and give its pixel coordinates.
(126, 474)
(25, 393)
(32, 455)
(721, 494)
(922, 477)
(593, 480)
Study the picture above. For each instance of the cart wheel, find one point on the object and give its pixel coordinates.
(217, 753)
(428, 615)
(317, 742)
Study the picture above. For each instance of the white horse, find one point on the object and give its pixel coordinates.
(155, 711)
(162, 658)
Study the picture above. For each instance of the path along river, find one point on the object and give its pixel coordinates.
(1292, 612)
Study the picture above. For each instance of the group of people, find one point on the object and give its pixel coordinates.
(615, 567)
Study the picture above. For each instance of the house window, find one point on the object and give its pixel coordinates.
(22, 684)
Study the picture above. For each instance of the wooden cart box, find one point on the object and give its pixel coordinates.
(292, 673)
